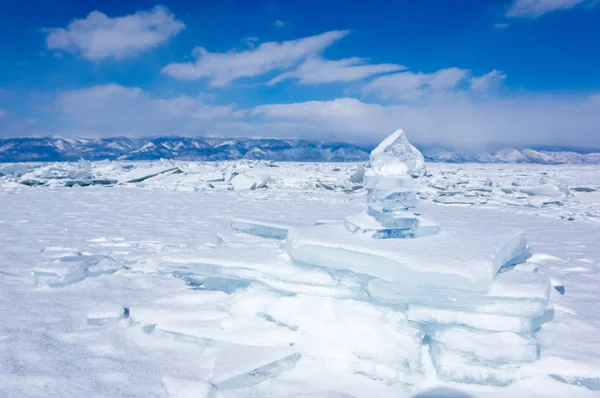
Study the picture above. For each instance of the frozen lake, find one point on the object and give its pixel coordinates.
(94, 302)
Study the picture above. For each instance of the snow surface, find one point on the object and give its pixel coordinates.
(144, 288)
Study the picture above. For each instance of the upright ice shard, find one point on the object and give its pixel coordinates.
(392, 196)
(395, 156)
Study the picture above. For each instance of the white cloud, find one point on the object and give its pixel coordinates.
(117, 110)
(316, 70)
(4, 112)
(501, 25)
(250, 41)
(280, 24)
(410, 86)
(222, 68)
(460, 121)
(536, 8)
(488, 81)
(98, 37)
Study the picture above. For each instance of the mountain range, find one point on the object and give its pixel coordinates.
(55, 149)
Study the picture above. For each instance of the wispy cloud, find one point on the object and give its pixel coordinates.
(98, 37)
(223, 68)
(409, 86)
(281, 24)
(537, 8)
(250, 41)
(317, 70)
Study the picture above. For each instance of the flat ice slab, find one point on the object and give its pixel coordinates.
(463, 256)
(512, 293)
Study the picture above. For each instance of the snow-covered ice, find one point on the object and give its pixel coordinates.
(144, 288)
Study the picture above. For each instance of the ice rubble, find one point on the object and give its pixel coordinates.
(329, 296)
(335, 296)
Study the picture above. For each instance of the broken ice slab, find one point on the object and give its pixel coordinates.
(89, 182)
(241, 181)
(149, 176)
(260, 228)
(188, 388)
(105, 313)
(476, 320)
(264, 265)
(225, 285)
(461, 368)
(68, 270)
(204, 319)
(15, 170)
(460, 200)
(359, 175)
(550, 190)
(239, 366)
(493, 347)
(512, 293)
(462, 256)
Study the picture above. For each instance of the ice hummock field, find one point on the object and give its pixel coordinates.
(171, 279)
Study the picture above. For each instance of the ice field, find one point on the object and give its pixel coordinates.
(233, 279)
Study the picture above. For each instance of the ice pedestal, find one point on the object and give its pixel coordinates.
(392, 195)
(478, 321)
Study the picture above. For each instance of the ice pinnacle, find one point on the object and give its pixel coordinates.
(395, 156)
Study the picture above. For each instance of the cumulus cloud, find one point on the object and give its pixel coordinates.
(317, 70)
(536, 8)
(222, 68)
(98, 37)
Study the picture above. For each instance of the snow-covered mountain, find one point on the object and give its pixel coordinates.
(212, 148)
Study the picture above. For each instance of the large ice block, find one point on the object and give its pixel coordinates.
(462, 257)
(475, 320)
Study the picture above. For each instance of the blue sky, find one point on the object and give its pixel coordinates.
(463, 72)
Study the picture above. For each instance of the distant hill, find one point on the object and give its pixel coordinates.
(55, 149)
